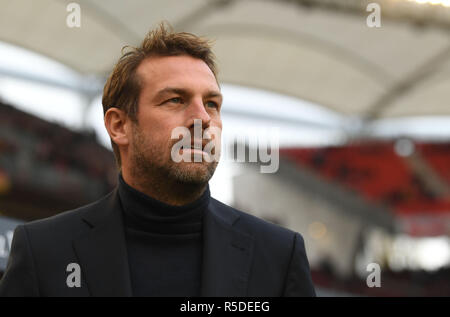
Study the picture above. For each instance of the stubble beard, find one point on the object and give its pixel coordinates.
(154, 164)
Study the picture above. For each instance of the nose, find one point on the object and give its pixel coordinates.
(197, 110)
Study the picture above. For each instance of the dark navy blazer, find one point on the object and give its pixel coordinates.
(242, 255)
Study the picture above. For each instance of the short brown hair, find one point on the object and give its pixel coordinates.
(123, 87)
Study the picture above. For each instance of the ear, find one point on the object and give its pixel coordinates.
(117, 125)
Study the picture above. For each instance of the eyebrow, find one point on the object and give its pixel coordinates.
(184, 92)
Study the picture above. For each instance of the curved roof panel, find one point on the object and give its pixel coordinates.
(317, 50)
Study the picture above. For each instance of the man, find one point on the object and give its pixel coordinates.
(159, 233)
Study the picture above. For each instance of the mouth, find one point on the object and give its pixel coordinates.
(196, 145)
(196, 148)
(192, 150)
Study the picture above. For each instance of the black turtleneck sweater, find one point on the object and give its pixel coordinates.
(164, 243)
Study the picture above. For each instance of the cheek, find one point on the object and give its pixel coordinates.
(152, 125)
(161, 135)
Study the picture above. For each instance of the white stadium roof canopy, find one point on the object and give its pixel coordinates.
(317, 50)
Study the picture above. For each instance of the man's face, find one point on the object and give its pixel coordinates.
(175, 90)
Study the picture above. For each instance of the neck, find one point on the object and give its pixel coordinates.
(166, 191)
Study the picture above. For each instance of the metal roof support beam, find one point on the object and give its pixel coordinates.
(401, 88)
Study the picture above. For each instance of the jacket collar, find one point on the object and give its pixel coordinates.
(102, 252)
(227, 253)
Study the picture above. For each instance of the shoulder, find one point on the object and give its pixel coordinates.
(279, 255)
(64, 224)
(256, 227)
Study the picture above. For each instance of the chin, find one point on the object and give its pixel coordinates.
(193, 173)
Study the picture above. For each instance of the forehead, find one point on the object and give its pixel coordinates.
(178, 71)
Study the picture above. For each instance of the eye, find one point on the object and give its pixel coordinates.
(175, 100)
(212, 104)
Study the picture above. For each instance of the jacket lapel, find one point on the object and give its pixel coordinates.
(227, 253)
(102, 250)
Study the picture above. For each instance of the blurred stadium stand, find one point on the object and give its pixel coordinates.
(354, 203)
(415, 183)
(46, 168)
